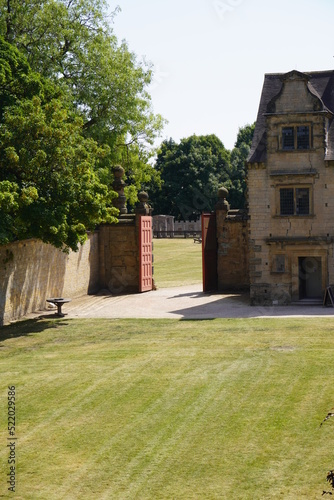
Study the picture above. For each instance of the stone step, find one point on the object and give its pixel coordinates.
(307, 302)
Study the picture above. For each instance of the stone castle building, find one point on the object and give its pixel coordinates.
(291, 189)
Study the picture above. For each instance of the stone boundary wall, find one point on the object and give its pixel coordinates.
(187, 226)
(119, 255)
(233, 251)
(163, 223)
(166, 226)
(32, 271)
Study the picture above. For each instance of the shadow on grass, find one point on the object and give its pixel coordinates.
(30, 326)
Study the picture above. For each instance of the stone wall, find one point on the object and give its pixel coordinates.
(32, 271)
(162, 225)
(119, 256)
(187, 226)
(232, 258)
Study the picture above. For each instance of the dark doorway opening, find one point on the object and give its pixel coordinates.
(310, 278)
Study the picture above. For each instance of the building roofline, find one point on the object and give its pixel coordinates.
(311, 73)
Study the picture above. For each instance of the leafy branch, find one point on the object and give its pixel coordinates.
(330, 474)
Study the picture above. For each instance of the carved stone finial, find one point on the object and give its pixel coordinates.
(118, 186)
(118, 171)
(143, 208)
(143, 197)
(222, 204)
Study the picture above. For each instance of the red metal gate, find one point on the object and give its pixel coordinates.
(145, 253)
(209, 252)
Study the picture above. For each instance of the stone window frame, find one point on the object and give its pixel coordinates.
(295, 126)
(294, 186)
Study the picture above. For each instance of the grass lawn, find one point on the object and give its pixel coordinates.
(164, 409)
(177, 262)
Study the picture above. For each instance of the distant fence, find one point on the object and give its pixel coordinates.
(177, 234)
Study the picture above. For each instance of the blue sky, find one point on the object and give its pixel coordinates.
(210, 56)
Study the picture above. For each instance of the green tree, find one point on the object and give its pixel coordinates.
(49, 183)
(237, 182)
(16, 80)
(71, 42)
(191, 173)
(47, 174)
(245, 135)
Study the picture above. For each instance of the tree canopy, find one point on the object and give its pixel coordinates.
(191, 173)
(193, 170)
(71, 42)
(237, 183)
(73, 103)
(49, 183)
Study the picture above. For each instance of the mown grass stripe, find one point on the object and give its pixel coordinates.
(171, 409)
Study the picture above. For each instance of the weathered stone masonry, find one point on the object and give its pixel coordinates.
(32, 271)
(232, 246)
(119, 256)
(291, 189)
